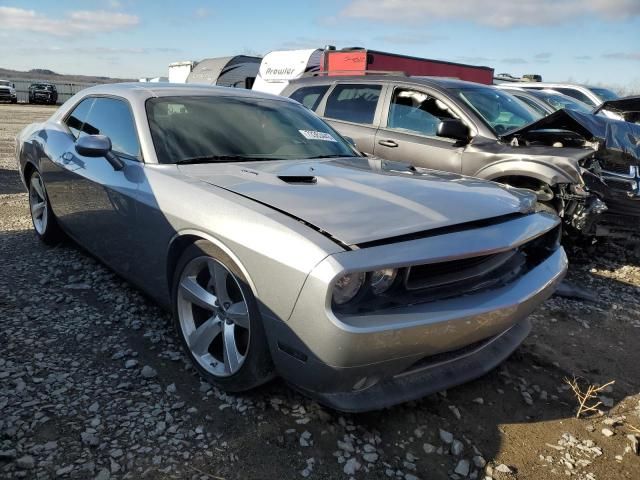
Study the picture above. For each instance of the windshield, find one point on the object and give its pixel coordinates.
(604, 94)
(5, 83)
(500, 110)
(225, 128)
(41, 86)
(558, 101)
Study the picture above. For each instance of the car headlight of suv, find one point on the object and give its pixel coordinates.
(381, 280)
(347, 287)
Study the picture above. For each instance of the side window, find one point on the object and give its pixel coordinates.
(353, 103)
(310, 96)
(531, 104)
(112, 117)
(78, 116)
(575, 94)
(416, 112)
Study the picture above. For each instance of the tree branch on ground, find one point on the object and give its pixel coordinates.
(586, 397)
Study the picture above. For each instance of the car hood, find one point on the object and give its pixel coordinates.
(614, 140)
(360, 200)
(621, 105)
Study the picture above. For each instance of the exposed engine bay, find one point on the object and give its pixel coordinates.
(607, 202)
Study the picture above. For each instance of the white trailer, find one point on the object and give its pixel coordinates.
(281, 66)
(179, 71)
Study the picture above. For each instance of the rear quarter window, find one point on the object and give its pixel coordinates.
(310, 97)
(353, 103)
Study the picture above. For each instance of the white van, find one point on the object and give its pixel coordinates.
(281, 66)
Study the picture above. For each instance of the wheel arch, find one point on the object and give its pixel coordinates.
(27, 171)
(541, 172)
(183, 239)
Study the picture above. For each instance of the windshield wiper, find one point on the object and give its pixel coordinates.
(221, 158)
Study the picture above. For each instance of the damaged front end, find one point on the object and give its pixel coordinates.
(606, 203)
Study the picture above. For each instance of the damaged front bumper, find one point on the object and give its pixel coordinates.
(607, 205)
(606, 202)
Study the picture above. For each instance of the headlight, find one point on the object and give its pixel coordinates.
(381, 280)
(347, 287)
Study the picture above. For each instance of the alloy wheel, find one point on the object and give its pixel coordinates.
(214, 316)
(38, 203)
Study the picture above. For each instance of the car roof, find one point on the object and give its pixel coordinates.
(137, 90)
(439, 82)
(554, 84)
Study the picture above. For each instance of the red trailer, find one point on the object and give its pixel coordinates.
(359, 61)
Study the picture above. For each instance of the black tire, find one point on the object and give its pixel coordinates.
(257, 367)
(49, 231)
(14, 100)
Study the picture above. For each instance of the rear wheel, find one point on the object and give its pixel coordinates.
(218, 321)
(44, 221)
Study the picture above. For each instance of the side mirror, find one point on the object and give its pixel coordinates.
(453, 128)
(98, 146)
(13, 85)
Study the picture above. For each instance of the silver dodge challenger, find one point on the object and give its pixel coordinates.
(281, 250)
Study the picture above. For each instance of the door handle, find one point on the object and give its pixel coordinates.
(388, 143)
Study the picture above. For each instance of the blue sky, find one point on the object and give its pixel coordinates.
(595, 41)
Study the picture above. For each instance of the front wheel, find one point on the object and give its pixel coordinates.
(44, 222)
(218, 321)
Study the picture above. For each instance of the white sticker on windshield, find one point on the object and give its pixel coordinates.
(313, 135)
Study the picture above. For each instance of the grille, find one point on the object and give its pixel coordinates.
(437, 281)
(440, 274)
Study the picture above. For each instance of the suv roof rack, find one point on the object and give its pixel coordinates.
(354, 73)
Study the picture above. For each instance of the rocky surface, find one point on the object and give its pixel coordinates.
(93, 384)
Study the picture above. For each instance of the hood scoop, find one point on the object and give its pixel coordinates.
(298, 179)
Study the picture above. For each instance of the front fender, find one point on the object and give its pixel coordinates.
(549, 173)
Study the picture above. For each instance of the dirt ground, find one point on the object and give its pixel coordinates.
(93, 384)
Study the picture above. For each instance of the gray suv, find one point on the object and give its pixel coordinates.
(481, 131)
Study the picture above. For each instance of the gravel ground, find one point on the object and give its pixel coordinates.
(93, 384)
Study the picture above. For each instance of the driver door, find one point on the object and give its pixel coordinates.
(95, 203)
(408, 131)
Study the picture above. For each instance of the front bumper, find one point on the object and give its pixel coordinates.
(366, 362)
(613, 210)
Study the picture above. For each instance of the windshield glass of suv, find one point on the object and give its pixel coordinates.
(4, 83)
(558, 101)
(604, 94)
(210, 128)
(501, 111)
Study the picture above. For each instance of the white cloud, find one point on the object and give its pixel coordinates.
(514, 60)
(493, 13)
(202, 12)
(74, 23)
(94, 50)
(415, 38)
(623, 56)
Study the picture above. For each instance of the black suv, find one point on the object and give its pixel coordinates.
(46, 93)
(585, 168)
